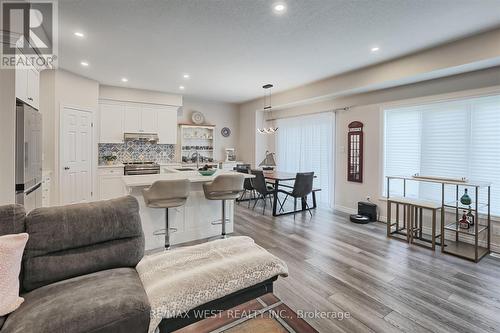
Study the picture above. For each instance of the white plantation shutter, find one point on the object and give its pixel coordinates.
(306, 144)
(451, 139)
(402, 148)
(484, 156)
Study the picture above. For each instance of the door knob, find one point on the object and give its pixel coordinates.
(66, 168)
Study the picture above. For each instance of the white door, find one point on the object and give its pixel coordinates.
(76, 156)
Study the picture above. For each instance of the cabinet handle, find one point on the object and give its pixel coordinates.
(30, 99)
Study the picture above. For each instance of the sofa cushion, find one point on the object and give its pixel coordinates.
(11, 219)
(111, 301)
(11, 254)
(79, 239)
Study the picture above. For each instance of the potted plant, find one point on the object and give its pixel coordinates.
(109, 159)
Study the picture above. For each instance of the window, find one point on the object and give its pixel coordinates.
(306, 144)
(458, 138)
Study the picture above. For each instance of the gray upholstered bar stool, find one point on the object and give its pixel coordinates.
(224, 187)
(166, 194)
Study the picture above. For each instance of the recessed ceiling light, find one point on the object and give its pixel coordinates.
(375, 49)
(84, 64)
(182, 87)
(124, 79)
(279, 7)
(186, 76)
(79, 34)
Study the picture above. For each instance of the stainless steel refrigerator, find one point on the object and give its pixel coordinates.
(28, 156)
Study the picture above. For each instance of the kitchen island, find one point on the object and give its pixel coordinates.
(193, 221)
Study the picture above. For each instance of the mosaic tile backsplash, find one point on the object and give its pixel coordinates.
(131, 151)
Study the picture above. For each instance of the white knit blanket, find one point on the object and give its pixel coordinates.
(179, 280)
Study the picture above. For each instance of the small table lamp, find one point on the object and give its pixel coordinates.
(268, 163)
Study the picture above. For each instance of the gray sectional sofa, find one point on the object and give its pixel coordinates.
(78, 271)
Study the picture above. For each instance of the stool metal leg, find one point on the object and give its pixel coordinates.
(223, 218)
(167, 231)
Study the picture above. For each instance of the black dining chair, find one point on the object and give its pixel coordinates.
(264, 190)
(302, 187)
(247, 186)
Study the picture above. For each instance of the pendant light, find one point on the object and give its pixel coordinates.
(267, 107)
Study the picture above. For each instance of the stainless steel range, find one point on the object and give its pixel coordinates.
(141, 168)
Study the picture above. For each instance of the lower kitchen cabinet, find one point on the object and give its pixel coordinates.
(110, 183)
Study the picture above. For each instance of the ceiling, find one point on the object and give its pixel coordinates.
(231, 48)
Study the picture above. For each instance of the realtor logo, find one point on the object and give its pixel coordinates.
(29, 28)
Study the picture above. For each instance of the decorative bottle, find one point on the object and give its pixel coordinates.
(465, 199)
(464, 224)
(470, 217)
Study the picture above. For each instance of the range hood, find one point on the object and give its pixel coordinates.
(145, 137)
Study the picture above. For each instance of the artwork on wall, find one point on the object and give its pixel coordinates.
(355, 152)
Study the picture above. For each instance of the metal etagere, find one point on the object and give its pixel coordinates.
(466, 243)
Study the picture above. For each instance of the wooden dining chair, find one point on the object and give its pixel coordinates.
(302, 187)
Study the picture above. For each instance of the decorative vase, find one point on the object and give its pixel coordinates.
(465, 199)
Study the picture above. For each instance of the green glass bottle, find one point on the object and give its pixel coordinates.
(465, 199)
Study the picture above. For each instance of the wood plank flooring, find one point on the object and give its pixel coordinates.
(385, 285)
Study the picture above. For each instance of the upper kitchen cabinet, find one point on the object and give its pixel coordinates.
(28, 84)
(111, 123)
(118, 118)
(167, 124)
(149, 119)
(132, 119)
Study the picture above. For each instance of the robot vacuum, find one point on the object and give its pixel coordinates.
(367, 212)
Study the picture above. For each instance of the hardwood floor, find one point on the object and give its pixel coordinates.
(385, 285)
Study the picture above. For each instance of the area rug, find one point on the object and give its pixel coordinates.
(265, 314)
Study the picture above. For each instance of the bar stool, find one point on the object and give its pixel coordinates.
(166, 194)
(224, 187)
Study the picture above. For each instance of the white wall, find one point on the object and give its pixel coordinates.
(219, 114)
(8, 133)
(61, 88)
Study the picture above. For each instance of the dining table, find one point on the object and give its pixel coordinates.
(276, 178)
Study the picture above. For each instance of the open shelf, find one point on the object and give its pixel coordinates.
(465, 250)
(472, 231)
(453, 204)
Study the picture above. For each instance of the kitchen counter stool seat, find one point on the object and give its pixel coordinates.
(166, 194)
(224, 187)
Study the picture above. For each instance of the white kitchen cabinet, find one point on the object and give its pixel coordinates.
(111, 123)
(28, 84)
(46, 183)
(132, 119)
(110, 183)
(149, 119)
(167, 125)
(22, 84)
(117, 118)
(33, 88)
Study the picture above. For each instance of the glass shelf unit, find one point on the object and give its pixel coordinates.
(466, 243)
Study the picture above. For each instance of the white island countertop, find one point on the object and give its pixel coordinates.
(192, 176)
